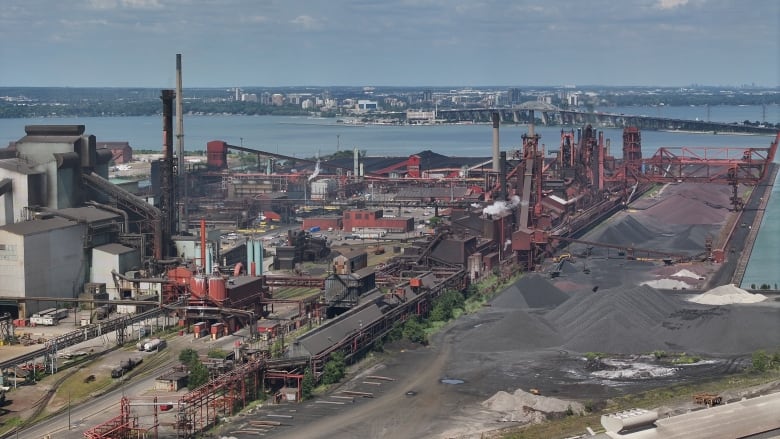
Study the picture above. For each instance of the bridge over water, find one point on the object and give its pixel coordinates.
(551, 115)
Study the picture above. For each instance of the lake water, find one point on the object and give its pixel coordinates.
(306, 137)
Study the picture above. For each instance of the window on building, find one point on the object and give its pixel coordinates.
(358, 216)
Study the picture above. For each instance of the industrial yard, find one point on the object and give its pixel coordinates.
(557, 336)
(290, 263)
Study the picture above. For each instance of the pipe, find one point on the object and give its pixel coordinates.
(151, 280)
(67, 160)
(203, 243)
(496, 147)
(209, 262)
(112, 209)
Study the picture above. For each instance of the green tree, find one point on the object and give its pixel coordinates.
(188, 356)
(414, 331)
(277, 349)
(217, 353)
(434, 221)
(334, 369)
(307, 385)
(761, 361)
(199, 375)
(445, 305)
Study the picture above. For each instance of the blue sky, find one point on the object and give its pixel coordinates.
(133, 43)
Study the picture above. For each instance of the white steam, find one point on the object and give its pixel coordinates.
(502, 207)
(316, 171)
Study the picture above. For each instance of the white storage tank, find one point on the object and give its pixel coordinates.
(323, 189)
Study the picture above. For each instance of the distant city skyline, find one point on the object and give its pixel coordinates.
(248, 43)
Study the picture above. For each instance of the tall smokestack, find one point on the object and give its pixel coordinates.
(356, 169)
(167, 194)
(496, 147)
(502, 176)
(183, 215)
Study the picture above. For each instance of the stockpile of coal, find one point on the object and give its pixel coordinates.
(530, 291)
(533, 315)
(680, 222)
(510, 330)
(729, 330)
(617, 320)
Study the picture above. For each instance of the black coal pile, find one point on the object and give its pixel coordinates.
(531, 291)
(729, 329)
(618, 320)
(533, 315)
(510, 330)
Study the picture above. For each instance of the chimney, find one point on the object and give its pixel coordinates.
(496, 147)
(184, 216)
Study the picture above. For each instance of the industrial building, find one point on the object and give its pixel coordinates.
(68, 232)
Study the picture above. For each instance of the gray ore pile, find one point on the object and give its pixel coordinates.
(533, 314)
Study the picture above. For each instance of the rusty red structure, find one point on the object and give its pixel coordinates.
(582, 182)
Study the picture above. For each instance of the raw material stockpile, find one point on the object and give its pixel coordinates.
(628, 320)
(727, 294)
(618, 320)
(680, 222)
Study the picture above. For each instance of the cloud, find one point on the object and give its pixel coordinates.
(126, 4)
(670, 4)
(307, 22)
(102, 4)
(142, 4)
(254, 19)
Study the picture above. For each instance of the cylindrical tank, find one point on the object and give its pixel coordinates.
(250, 255)
(258, 255)
(217, 289)
(198, 286)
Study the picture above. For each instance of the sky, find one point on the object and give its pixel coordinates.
(267, 43)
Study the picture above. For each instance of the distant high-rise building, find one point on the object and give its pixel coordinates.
(427, 96)
(277, 99)
(515, 96)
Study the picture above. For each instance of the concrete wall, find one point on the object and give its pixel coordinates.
(50, 263)
(26, 189)
(105, 261)
(11, 264)
(54, 262)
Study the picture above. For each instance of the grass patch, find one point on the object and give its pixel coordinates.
(77, 387)
(10, 424)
